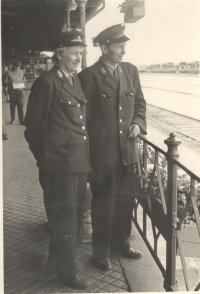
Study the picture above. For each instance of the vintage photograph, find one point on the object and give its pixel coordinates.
(100, 146)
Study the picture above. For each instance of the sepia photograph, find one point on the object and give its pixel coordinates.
(100, 146)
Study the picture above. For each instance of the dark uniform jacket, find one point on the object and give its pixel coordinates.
(112, 107)
(55, 122)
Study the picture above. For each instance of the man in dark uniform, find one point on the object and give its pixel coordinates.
(115, 117)
(13, 83)
(57, 137)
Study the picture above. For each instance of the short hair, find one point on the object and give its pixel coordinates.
(57, 51)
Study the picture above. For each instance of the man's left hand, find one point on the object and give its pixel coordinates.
(134, 131)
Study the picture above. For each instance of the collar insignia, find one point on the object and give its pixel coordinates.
(103, 70)
(59, 74)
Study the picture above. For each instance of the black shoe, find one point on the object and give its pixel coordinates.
(102, 264)
(51, 269)
(75, 283)
(5, 137)
(11, 121)
(132, 253)
(22, 123)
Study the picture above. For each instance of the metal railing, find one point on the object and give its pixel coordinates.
(161, 207)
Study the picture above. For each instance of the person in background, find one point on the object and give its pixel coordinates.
(115, 117)
(56, 132)
(14, 80)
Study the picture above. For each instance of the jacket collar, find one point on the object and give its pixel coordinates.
(106, 76)
(74, 91)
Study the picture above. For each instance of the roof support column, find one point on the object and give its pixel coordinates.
(82, 8)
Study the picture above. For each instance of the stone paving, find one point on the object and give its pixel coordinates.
(26, 234)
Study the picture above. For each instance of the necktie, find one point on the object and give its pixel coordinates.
(115, 74)
(70, 79)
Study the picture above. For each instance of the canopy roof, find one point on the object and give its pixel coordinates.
(32, 24)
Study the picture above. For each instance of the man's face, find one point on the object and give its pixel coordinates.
(71, 57)
(115, 52)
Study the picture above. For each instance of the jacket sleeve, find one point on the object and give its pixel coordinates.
(87, 88)
(139, 116)
(37, 113)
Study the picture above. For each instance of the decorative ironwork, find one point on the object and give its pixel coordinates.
(157, 194)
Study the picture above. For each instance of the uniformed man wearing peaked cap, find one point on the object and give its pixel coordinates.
(57, 136)
(115, 116)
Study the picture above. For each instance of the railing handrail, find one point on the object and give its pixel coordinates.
(142, 137)
(179, 162)
(169, 225)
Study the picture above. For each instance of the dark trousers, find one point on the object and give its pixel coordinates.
(17, 99)
(64, 200)
(112, 207)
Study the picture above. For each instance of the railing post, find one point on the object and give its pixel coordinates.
(170, 283)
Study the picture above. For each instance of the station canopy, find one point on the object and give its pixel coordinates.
(32, 24)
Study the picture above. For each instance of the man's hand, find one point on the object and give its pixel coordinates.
(134, 131)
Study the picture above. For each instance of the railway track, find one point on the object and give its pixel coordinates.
(184, 125)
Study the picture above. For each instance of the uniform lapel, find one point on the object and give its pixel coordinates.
(122, 82)
(107, 78)
(74, 91)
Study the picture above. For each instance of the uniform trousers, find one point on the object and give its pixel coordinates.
(112, 208)
(17, 99)
(64, 199)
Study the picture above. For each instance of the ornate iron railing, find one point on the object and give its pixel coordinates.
(157, 198)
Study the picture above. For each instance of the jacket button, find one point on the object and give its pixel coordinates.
(131, 94)
(120, 108)
(104, 95)
(78, 105)
(81, 117)
(120, 120)
(121, 132)
(84, 137)
(69, 102)
(83, 128)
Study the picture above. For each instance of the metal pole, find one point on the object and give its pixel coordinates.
(82, 7)
(170, 283)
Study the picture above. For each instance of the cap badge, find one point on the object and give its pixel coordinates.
(59, 74)
(103, 70)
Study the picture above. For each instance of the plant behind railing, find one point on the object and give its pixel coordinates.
(172, 197)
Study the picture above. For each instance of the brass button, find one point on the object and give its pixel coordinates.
(120, 120)
(69, 102)
(120, 108)
(83, 128)
(81, 117)
(121, 132)
(79, 105)
(84, 137)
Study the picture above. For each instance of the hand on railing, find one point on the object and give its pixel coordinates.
(134, 131)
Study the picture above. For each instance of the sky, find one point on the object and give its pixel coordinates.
(169, 32)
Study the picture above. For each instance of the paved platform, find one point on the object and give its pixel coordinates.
(26, 235)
